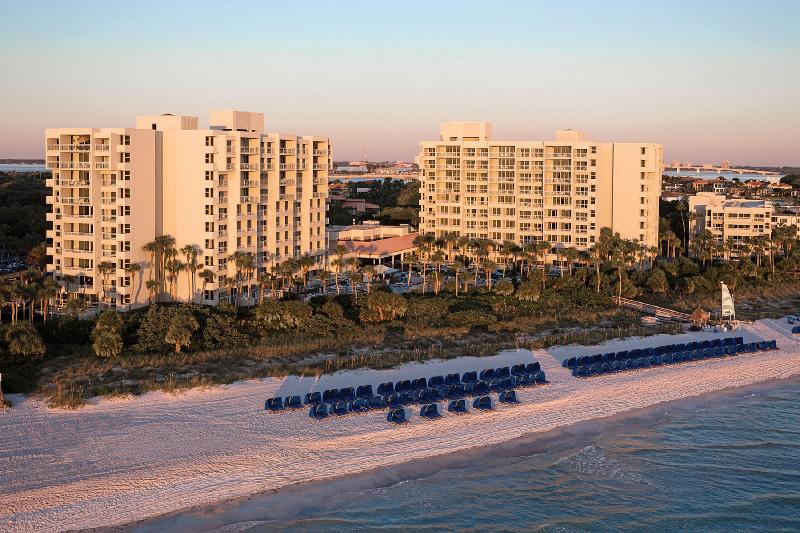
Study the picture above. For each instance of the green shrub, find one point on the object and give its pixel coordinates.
(427, 312)
(383, 307)
(23, 339)
(503, 287)
(471, 319)
(529, 291)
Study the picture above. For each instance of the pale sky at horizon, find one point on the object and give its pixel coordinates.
(709, 80)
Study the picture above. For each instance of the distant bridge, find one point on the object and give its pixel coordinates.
(720, 170)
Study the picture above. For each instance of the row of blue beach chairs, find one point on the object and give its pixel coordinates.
(573, 362)
(433, 411)
(428, 395)
(420, 390)
(631, 363)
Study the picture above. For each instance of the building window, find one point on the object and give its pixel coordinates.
(125, 157)
(209, 158)
(209, 210)
(125, 140)
(209, 226)
(209, 141)
(209, 175)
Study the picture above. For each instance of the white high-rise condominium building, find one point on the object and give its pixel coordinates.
(227, 188)
(562, 191)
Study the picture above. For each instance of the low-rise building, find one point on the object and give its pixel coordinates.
(373, 243)
(737, 220)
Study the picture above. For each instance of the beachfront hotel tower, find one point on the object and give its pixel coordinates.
(562, 191)
(230, 187)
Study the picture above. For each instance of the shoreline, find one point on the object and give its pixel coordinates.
(119, 464)
(291, 498)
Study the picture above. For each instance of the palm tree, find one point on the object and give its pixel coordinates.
(324, 276)
(174, 268)
(489, 266)
(242, 261)
(166, 248)
(571, 255)
(262, 281)
(190, 253)
(438, 260)
(105, 269)
(450, 240)
(151, 248)
(305, 263)
(369, 272)
(206, 276)
(338, 263)
(410, 258)
(458, 266)
(153, 285)
(132, 270)
(48, 289)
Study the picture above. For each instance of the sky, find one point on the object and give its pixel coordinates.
(710, 80)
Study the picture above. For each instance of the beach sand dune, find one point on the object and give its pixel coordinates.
(116, 462)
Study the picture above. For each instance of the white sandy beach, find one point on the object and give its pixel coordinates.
(116, 462)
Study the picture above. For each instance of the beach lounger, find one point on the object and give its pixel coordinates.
(655, 360)
(630, 363)
(762, 345)
(456, 391)
(431, 411)
(347, 393)
(438, 394)
(509, 396)
(605, 368)
(419, 384)
(484, 403)
(330, 395)
(502, 372)
(319, 411)
(292, 402)
(518, 370)
(364, 391)
(386, 388)
(796, 329)
(459, 407)
(452, 379)
(313, 398)
(532, 368)
(481, 388)
(341, 408)
(409, 397)
(398, 416)
(469, 377)
(539, 377)
(359, 405)
(487, 374)
(274, 404)
(594, 368)
(393, 401)
(772, 345)
(403, 385)
(425, 395)
(436, 381)
(376, 402)
(526, 379)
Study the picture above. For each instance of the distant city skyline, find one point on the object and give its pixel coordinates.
(710, 81)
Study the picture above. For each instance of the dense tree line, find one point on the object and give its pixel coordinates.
(22, 212)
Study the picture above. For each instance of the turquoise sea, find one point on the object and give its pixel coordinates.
(726, 462)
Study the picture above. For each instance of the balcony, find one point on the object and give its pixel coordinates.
(249, 183)
(222, 233)
(287, 151)
(101, 165)
(320, 167)
(320, 152)
(80, 251)
(78, 233)
(248, 166)
(102, 148)
(249, 150)
(229, 166)
(109, 200)
(53, 147)
(75, 147)
(75, 200)
(286, 166)
(108, 183)
(74, 165)
(248, 200)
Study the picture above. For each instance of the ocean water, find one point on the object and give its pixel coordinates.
(726, 462)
